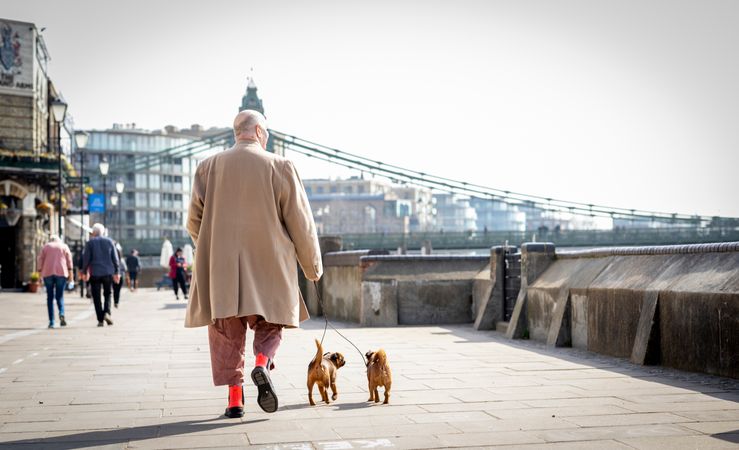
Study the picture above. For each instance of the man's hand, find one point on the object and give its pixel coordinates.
(117, 278)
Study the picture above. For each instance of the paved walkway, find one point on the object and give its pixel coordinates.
(145, 383)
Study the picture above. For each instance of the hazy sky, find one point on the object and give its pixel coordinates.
(623, 103)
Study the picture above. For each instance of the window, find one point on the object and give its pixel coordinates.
(141, 180)
(141, 218)
(154, 200)
(154, 182)
(154, 218)
(141, 200)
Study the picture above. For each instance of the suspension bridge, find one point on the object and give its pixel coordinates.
(667, 227)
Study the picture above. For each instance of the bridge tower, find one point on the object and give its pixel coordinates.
(251, 101)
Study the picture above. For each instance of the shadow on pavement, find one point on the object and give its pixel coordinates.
(358, 405)
(121, 435)
(174, 306)
(721, 388)
(729, 436)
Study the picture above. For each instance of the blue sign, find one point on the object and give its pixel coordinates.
(96, 203)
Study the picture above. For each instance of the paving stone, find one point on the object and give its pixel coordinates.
(711, 416)
(626, 419)
(714, 427)
(491, 438)
(581, 445)
(681, 443)
(146, 383)
(623, 432)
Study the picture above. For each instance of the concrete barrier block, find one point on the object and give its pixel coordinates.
(613, 316)
(579, 320)
(560, 334)
(646, 342)
(434, 302)
(379, 303)
(700, 332)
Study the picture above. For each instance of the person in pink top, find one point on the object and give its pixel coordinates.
(55, 265)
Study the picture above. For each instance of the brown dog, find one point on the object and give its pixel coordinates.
(378, 374)
(322, 371)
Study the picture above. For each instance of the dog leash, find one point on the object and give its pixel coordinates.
(328, 324)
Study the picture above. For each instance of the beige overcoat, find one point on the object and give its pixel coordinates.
(250, 221)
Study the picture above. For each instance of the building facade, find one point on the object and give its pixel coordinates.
(454, 213)
(494, 215)
(156, 189)
(357, 205)
(34, 147)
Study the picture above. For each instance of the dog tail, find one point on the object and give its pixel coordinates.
(319, 356)
(379, 357)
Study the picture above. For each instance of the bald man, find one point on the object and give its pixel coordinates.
(250, 221)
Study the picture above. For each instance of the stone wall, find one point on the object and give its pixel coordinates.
(341, 285)
(419, 290)
(671, 305)
(17, 122)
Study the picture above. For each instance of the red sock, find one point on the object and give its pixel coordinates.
(262, 360)
(235, 397)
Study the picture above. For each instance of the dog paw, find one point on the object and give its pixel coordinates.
(334, 397)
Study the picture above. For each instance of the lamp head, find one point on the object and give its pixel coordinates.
(104, 166)
(80, 138)
(58, 109)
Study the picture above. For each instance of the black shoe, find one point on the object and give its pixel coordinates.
(267, 398)
(108, 320)
(115, 304)
(62, 322)
(100, 324)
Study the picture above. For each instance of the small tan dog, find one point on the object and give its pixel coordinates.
(322, 371)
(378, 374)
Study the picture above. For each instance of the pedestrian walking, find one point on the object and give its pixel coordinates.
(101, 266)
(134, 267)
(250, 220)
(177, 274)
(55, 265)
(122, 270)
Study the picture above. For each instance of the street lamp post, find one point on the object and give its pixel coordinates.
(59, 111)
(113, 203)
(80, 140)
(119, 186)
(104, 167)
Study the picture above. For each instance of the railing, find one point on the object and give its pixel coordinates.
(479, 240)
(572, 238)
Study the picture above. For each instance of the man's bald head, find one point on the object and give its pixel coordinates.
(251, 126)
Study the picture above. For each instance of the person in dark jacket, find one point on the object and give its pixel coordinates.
(177, 273)
(134, 267)
(100, 265)
(122, 269)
